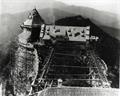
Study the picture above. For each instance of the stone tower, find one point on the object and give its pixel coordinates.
(32, 26)
(26, 56)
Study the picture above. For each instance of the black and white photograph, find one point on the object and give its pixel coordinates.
(59, 47)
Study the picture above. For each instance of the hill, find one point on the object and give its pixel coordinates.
(105, 20)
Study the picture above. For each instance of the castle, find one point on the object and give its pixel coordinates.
(51, 54)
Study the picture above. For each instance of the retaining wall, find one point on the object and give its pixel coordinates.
(79, 91)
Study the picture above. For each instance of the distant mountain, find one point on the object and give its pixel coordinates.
(101, 18)
(9, 26)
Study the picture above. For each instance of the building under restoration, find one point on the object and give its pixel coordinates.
(54, 60)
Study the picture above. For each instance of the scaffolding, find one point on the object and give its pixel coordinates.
(91, 71)
(23, 71)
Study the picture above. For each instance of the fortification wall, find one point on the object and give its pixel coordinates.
(79, 91)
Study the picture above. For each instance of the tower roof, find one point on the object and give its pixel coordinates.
(34, 20)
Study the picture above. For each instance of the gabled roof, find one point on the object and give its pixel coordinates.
(37, 19)
(34, 20)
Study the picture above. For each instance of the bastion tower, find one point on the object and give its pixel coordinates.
(26, 55)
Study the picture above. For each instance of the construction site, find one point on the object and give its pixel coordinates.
(56, 60)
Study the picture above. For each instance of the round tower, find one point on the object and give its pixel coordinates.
(33, 25)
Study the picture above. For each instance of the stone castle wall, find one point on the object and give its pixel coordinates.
(80, 91)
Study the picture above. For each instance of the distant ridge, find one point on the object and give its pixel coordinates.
(57, 10)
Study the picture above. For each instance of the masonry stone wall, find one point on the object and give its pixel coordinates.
(80, 91)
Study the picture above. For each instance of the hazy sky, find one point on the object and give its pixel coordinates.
(106, 5)
(13, 6)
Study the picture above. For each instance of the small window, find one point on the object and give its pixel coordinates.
(82, 35)
(69, 30)
(58, 30)
(48, 29)
(70, 35)
(77, 34)
(83, 31)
